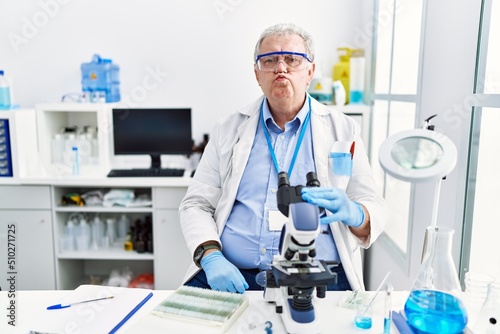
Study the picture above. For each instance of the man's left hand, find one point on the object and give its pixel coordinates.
(336, 201)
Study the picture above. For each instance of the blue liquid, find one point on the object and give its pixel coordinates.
(431, 311)
(322, 97)
(4, 98)
(387, 325)
(356, 96)
(363, 322)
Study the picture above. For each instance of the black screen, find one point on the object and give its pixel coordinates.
(152, 131)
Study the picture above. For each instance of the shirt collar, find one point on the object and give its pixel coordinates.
(271, 124)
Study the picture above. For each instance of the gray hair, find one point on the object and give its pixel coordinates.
(284, 29)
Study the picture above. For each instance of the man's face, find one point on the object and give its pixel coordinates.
(284, 82)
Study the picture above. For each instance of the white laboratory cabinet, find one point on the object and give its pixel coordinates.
(40, 218)
(169, 259)
(28, 208)
(173, 257)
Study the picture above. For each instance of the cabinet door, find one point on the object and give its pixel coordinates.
(172, 257)
(34, 248)
(24, 197)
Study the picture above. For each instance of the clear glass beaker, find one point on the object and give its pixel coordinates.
(489, 316)
(434, 304)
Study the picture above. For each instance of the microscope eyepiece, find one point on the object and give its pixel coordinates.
(312, 180)
(283, 179)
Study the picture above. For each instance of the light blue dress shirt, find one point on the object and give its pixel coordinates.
(247, 240)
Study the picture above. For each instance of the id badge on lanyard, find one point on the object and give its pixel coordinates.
(275, 219)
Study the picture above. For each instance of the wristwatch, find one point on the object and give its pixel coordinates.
(200, 251)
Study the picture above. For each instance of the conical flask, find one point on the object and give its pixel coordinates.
(433, 305)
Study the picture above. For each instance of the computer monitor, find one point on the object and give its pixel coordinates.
(152, 131)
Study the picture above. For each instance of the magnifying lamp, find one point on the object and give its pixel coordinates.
(419, 155)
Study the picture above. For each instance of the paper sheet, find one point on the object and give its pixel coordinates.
(94, 317)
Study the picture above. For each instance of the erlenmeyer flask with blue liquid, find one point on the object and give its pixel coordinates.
(434, 304)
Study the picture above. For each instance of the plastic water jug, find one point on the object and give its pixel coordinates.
(101, 76)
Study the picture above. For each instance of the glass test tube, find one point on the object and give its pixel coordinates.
(388, 308)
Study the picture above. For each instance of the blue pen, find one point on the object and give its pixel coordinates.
(400, 322)
(60, 306)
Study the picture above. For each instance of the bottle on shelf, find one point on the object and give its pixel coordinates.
(136, 231)
(148, 234)
(69, 143)
(98, 229)
(339, 93)
(342, 70)
(110, 231)
(84, 148)
(149, 243)
(85, 142)
(123, 227)
(5, 97)
(128, 244)
(75, 160)
(83, 235)
(140, 245)
(91, 134)
(68, 241)
(58, 149)
(321, 88)
(357, 81)
(95, 149)
(69, 238)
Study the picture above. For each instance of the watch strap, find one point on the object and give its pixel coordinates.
(200, 251)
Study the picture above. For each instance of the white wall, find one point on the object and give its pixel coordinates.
(200, 51)
(448, 92)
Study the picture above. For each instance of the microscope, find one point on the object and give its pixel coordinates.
(294, 273)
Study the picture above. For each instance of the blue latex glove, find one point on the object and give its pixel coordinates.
(336, 201)
(222, 275)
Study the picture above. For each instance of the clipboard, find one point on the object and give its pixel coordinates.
(103, 316)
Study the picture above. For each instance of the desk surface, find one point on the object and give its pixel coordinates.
(331, 316)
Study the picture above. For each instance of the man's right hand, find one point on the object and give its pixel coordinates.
(222, 275)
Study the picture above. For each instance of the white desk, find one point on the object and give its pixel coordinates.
(333, 318)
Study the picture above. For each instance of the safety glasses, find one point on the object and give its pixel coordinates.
(268, 62)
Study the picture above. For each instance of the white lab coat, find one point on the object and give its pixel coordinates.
(211, 195)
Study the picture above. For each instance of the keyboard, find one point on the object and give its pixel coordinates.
(147, 172)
